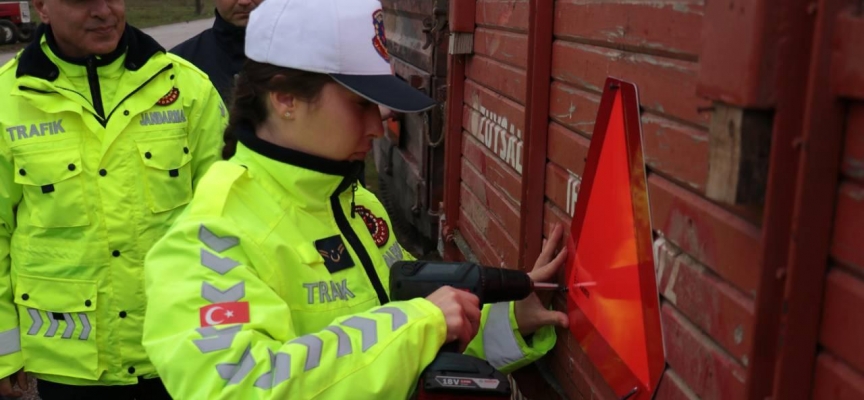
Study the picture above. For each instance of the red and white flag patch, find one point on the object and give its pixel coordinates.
(225, 313)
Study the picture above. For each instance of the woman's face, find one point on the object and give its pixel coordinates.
(338, 125)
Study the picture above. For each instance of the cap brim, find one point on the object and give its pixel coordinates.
(388, 91)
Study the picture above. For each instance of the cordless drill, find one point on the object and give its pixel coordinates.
(453, 375)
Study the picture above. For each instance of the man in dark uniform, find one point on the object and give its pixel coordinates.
(218, 51)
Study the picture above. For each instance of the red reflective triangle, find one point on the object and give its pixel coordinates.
(613, 300)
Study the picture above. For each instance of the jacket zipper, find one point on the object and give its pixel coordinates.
(169, 66)
(355, 243)
(95, 90)
(103, 121)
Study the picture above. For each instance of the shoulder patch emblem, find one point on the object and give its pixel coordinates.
(380, 39)
(377, 226)
(169, 98)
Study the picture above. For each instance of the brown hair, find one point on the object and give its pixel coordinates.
(254, 83)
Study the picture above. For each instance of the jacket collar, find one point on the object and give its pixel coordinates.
(138, 47)
(307, 179)
(232, 38)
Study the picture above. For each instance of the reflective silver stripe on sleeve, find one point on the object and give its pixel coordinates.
(499, 341)
(216, 339)
(70, 326)
(85, 323)
(216, 243)
(280, 371)
(344, 341)
(399, 317)
(214, 295)
(10, 341)
(52, 328)
(368, 330)
(235, 373)
(216, 263)
(36, 316)
(313, 350)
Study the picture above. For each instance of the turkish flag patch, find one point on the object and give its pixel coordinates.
(225, 313)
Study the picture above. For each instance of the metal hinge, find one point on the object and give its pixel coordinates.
(461, 43)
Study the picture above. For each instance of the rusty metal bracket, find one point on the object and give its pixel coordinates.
(434, 26)
(388, 166)
(418, 202)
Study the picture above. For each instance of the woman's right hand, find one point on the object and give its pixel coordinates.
(7, 384)
(461, 312)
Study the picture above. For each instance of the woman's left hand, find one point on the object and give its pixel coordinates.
(531, 315)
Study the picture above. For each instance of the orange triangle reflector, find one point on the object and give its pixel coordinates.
(613, 300)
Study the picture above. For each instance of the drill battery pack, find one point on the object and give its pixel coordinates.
(459, 376)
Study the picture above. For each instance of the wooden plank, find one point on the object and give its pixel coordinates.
(553, 215)
(835, 380)
(405, 40)
(672, 387)
(713, 236)
(666, 86)
(573, 107)
(506, 146)
(849, 226)
(670, 27)
(711, 373)
(740, 144)
(853, 156)
(843, 317)
(507, 47)
(507, 14)
(501, 244)
(564, 370)
(574, 365)
(719, 310)
(559, 361)
(567, 149)
(678, 150)
(562, 188)
(491, 167)
(847, 74)
(497, 204)
(507, 80)
(481, 247)
(490, 104)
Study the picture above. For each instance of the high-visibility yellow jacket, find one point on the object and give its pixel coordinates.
(97, 158)
(270, 286)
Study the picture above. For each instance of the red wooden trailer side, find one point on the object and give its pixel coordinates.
(753, 131)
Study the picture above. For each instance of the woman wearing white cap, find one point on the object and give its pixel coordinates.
(271, 284)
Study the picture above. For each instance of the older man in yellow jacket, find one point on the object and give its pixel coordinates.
(104, 137)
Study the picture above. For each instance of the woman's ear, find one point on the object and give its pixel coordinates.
(284, 105)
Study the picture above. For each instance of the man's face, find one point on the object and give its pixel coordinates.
(236, 12)
(84, 27)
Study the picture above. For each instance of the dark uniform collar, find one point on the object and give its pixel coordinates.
(138, 47)
(350, 170)
(233, 38)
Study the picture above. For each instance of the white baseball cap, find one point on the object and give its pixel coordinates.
(342, 38)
